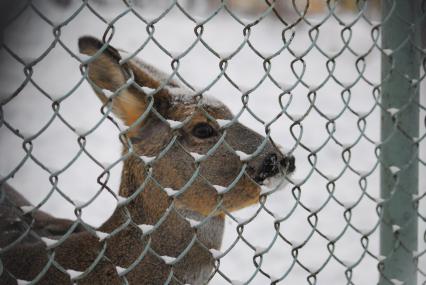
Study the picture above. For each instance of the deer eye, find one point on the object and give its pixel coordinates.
(203, 131)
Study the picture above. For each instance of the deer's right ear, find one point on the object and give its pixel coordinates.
(106, 73)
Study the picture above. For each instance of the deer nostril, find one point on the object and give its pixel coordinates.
(289, 163)
(271, 159)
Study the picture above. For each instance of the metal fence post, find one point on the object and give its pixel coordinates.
(399, 146)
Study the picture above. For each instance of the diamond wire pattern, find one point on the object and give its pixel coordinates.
(296, 130)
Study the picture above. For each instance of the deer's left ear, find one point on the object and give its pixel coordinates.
(106, 73)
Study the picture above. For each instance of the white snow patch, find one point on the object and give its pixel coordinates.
(215, 253)
(175, 124)
(187, 97)
(237, 282)
(396, 228)
(362, 114)
(223, 123)
(108, 93)
(392, 111)
(101, 235)
(219, 189)
(297, 180)
(81, 130)
(146, 228)
(265, 189)
(78, 203)
(211, 101)
(198, 19)
(397, 282)
(241, 220)
(297, 117)
(331, 237)
(106, 164)
(274, 182)
(121, 200)
(282, 149)
(394, 169)
(168, 259)
(225, 55)
(348, 263)
(122, 53)
(242, 155)
(387, 51)
(363, 173)
(197, 156)
(73, 273)
(193, 223)
(379, 200)
(49, 242)
(314, 208)
(120, 269)
(170, 191)
(22, 282)
(259, 250)
(330, 176)
(147, 90)
(313, 88)
(27, 208)
(147, 159)
(285, 86)
(348, 204)
(84, 57)
(295, 244)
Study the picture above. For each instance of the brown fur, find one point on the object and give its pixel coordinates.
(174, 169)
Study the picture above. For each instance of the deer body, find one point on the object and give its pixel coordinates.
(188, 224)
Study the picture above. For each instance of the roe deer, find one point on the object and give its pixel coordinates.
(162, 154)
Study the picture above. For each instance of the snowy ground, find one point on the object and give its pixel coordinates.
(58, 73)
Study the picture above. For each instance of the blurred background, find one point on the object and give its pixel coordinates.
(328, 106)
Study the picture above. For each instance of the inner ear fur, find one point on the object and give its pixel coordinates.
(106, 73)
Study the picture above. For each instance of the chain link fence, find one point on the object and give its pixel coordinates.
(338, 84)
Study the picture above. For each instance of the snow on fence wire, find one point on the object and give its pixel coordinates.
(391, 249)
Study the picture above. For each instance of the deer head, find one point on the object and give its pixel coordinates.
(184, 132)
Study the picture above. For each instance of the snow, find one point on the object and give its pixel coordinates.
(219, 189)
(121, 200)
(74, 274)
(147, 90)
(168, 259)
(102, 235)
(394, 169)
(242, 155)
(147, 159)
(175, 124)
(197, 156)
(58, 73)
(27, 209)
(120, 269)
(223, 123)
(170, 191)
(215, 253)
(49, 242)
(146, 228)
(193, 223)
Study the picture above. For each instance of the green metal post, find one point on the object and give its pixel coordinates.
(399, 133)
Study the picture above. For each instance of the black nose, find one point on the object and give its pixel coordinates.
(270, 166)
(288, 163)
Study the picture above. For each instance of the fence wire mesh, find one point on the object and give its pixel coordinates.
(312, 76)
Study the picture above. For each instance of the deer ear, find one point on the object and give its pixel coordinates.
(106, 73)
